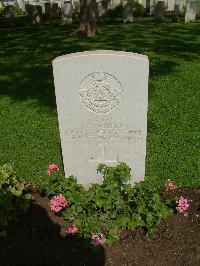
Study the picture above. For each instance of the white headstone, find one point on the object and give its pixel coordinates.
(102, 99)
(100, 8)
(152, 7)
(67, 12)
(170, 5)
(190, 14)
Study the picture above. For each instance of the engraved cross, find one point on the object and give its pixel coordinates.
(102, 158)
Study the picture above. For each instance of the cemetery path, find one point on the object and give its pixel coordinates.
(39, 238)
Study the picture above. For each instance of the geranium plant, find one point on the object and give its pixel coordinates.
(100, 213)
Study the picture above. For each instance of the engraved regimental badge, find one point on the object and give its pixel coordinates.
(100, 92)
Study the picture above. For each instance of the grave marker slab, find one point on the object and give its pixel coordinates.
(102, 99)
(127, 11)
(190, 14)
(159, 12)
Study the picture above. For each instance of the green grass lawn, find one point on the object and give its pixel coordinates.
(28, 118)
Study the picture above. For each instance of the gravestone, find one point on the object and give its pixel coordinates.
(76, 6)
(55, 10)
(47, 7)
(151, 7)
(190, 14)
(67, 11)
(159, 12)
(112, 4)
(34, 13)
(170, 5)
(21, 5)
(102, 99)
(127, 11)
(177, 9)
(39, 4)
(143, 3)
(100, 9)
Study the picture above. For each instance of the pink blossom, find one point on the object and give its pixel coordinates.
(170, 185)
(183, 205)
(58, 203)
(52, 167)
(98, 239)
(72, 229)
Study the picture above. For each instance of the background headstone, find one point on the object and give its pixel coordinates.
(127, 11)
(159, 12)
(170, 5)
(100, 9)
(143, 3)
(67, 11)
(177, 8)
(190, 14)
(34, 13)
(102, 99)
(47, 9)
(55, 10)
(152, 7)
(39, 4)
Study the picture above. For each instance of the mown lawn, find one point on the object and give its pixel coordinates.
(29, 128)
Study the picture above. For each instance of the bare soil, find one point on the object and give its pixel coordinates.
(39, 238)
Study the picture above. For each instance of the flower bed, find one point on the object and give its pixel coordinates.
(99, 214)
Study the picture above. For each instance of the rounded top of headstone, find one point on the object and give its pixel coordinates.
(102, 52)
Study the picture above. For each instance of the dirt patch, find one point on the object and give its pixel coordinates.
(39, 238)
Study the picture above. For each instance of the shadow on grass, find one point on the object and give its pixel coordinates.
(37, 240)
(26, 53)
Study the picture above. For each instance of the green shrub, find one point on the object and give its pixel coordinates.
(109, 207)
(116, 12)
(13, 197)
(138, 9)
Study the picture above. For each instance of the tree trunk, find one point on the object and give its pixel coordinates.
(87, 18)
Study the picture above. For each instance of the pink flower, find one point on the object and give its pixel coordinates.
(72, 229)
(58, 203)
(183, 205)
(97, 239)
(52, 167)
(170, 185)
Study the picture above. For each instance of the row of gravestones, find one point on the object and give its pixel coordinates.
(169, 4)
(190, 12)
(158, 8)
(35, 10)
(53, 10)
